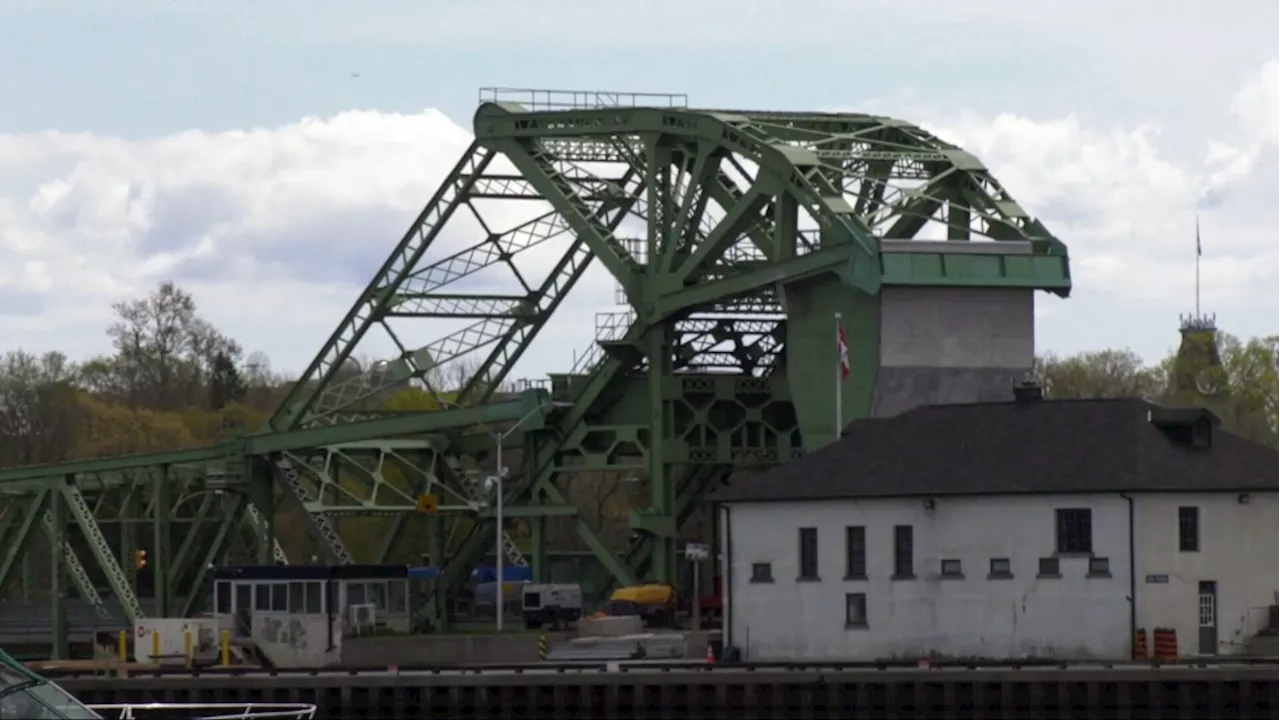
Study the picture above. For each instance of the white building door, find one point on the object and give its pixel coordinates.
(1208, 617)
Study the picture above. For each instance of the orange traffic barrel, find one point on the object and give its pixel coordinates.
(1140, 644)
(1165, 642)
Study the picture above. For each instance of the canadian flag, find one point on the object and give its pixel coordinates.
(842, 346)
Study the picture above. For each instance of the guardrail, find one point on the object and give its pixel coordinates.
(684, 666)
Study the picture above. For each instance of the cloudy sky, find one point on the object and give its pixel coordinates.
(267, 154)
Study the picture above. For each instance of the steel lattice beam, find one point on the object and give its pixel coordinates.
(694, 379)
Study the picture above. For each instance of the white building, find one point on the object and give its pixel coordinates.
(1005, 530)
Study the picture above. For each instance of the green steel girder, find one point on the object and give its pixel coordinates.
(687, 385)
(268, 443)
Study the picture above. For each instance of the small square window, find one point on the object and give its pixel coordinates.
(855, 609)
(1001, 568)
(1099, 567)
(761, 572)
(1049, 567)
(951, 568)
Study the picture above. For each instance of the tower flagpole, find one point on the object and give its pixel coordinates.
(1199, 252)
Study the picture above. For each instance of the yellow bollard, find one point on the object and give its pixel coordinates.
(122, 646)
(155, 647)
(186, 646)
(226, 648)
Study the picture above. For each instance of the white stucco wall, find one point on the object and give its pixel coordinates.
(1073, 616)
(1238, 551)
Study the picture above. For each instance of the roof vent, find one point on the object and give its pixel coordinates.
(1027, 392)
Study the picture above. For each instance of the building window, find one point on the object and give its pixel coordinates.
(1001, 568)
(951, 568)
(903, 552)
(261, 597)
(315, 597)
(297, 597)
(280, 597)
(1099, 567)
(855, 552)
(855, 610)
(808, 553)
(1189, 529)
(1075, 531)
(1048, 568)
(398, 596)
(761, 572)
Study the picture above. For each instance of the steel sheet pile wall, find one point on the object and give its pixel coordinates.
(1095, 693)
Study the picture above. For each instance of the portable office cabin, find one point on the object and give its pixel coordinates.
(248, 590)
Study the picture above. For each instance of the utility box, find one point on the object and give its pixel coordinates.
(554, 604)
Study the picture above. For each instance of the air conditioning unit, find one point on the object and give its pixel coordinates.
(363, 617)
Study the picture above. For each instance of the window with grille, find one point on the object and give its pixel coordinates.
(1189, 529)
(855, 551)
(808, 553)
(903, 552)
(1075, 531)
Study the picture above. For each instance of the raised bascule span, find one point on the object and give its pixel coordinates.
(735, 237)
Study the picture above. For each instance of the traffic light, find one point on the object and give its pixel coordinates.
(428, 504)
(140, 559)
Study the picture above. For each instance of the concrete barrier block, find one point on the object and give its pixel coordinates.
(609, 626)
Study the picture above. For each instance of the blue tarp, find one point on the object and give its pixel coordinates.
(480, 574)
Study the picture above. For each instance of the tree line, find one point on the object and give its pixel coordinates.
(1245, 397)
(172, 380)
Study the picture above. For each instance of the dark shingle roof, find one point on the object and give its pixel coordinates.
(1048, 446)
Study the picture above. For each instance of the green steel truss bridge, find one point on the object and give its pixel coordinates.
(733, 238)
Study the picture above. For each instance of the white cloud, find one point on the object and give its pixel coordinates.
(1125, 203)
(276, 230)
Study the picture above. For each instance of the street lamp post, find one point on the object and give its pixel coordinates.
(499, 590)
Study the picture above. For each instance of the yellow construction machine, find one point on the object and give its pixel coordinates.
(655, 603)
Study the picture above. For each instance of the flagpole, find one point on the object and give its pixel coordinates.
(839, 383)
(1198, 251)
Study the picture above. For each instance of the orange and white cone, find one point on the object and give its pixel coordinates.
(711, 656)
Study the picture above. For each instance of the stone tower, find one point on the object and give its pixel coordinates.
(1198, 375)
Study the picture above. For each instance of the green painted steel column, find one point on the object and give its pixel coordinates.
(28, 577)
(160, 556)
(262, 495)
(18, 551)
(538, 548)
(813, 356)
(438, 549)
(534, 447)
(61, 649)
(131, 514)
(662, 501)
